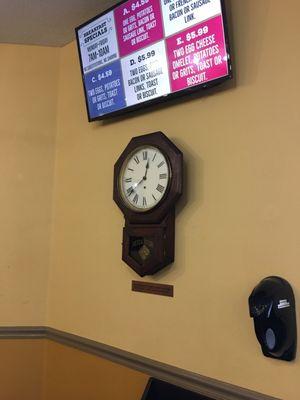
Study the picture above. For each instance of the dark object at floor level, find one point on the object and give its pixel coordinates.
(160, 390)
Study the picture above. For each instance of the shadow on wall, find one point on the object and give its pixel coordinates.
(168, 104)
(250, 19)
(192, 195)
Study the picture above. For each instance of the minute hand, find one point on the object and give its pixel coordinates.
(147, 167)
(134, 186)
(138, 183)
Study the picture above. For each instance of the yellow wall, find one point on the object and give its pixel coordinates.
(238, 221)
(73, 374)
(28, 104)
(43, 370)
(22, 369)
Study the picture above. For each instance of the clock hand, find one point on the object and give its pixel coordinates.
(147, 167)
(138, 183)
(134, 186)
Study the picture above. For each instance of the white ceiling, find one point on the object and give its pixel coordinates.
(45, 22)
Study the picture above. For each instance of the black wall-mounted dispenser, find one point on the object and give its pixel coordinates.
(272, 306)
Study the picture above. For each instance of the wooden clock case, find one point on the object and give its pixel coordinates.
(148, 237)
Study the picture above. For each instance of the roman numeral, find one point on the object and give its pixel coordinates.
(128, 180)
(145, 155)
(136, 159)
(162, 176)
(130, 169)
(154, 157)
(130, 191)
(160, 188)
(161, 164)
(144, 201)
(136, 198)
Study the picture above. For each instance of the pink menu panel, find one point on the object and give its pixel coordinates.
(197, 55)
(139, 24)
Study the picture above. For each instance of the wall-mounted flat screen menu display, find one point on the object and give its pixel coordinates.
(142, 52)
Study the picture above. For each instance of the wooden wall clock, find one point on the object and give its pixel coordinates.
(147, 184)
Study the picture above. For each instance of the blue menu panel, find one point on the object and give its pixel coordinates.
(104, 88)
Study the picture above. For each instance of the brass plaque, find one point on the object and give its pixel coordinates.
(153, 288)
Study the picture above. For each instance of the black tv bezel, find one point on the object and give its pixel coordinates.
(161, 99)
(167, 390)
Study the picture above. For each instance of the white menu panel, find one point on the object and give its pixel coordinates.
(181, 14)
(98, 43)
(145, 74)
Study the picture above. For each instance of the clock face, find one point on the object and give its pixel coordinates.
(144, 178)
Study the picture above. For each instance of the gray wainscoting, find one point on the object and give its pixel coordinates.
(206, 386)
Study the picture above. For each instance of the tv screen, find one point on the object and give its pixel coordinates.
(142, 52)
